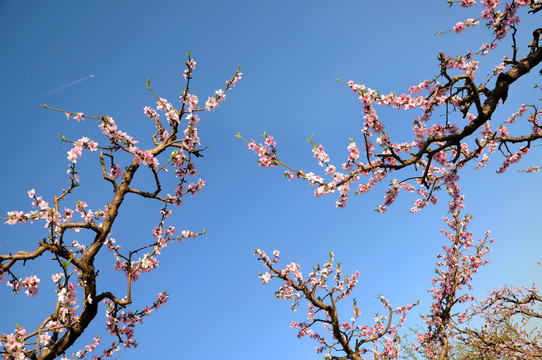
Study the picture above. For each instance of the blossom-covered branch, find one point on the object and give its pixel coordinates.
(461, 259)
(346, 339)
(75, 260)
(510, 315)
(438, 149)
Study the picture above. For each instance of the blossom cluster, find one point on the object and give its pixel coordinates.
(121, 323)
(266, 151)
(29, 283)
(79, 145)
(14, 344)
(499, 20)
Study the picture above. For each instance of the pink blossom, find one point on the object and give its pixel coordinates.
(269, 141)
(163, 104)
(56, 277)
(490, 3)
(353, 152)
(44, 338)
(498, 69)
(192, 102)
(233, 81)
(320, 154)
(151, 113)
(467, 3)
(31, 285)
(211, 104)
(188, 234)
(265, 161)
(115, 171)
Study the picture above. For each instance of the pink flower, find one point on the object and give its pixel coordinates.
(31, 285)
(56, 277)
(471, 22)
(163, 104)
(81, 204)
(115, 171)
(354, 152)
(458, 27)
(320, 154)
(44, 338)
(265, 161)
(188, 234)
(92, 146)
(491, 4)
(88, 216)
(192, 102)
(211, 104)
(74, 154)
(269, 141)
(235, 79)
(485, 48)
(161, 299)
(265, 278)
(498, 69)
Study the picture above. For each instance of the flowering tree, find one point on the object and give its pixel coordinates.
(432, 160)
(76, 279)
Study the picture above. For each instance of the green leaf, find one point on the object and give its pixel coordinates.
(65, 264)
(149, 83)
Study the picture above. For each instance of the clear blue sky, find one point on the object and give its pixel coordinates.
(290, 52)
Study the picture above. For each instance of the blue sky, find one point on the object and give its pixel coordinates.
(290, 53)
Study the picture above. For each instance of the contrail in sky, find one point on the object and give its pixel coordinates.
(60, 88)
